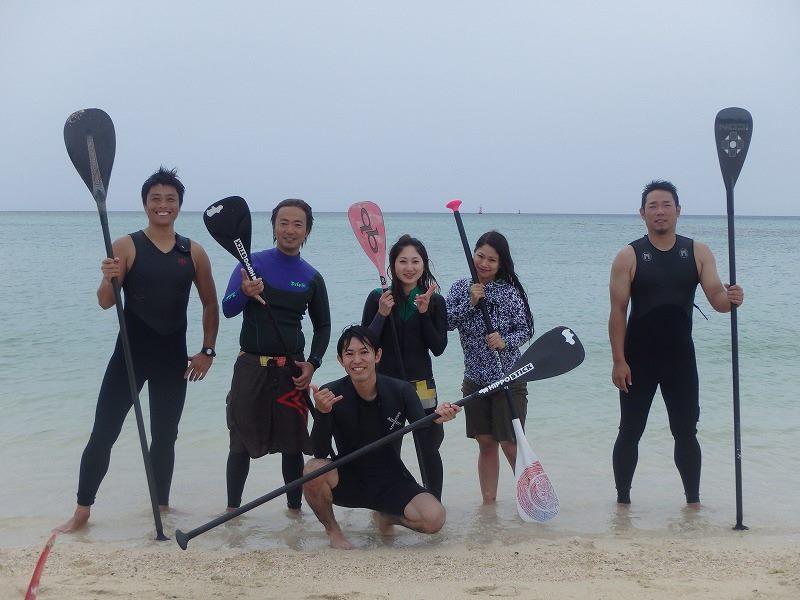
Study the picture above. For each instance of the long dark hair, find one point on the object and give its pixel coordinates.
(505, 268)
(425, 280)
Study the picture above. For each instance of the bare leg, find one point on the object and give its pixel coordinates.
(424, 514)
(319, 495)
(510, 450)
(386, 522)
(79, 519)
(488, 467)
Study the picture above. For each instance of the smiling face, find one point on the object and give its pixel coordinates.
(359, 361)
(291, 229)
(487, 263)
(162, 205)
(408, 268)
(660, 213)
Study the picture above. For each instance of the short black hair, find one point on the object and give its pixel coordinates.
(163, 176)
(357, 332)
(296, 202)
(664, 186)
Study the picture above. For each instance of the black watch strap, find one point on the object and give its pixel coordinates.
(208, 351)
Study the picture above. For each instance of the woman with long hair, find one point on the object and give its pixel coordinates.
(411, 321)
(488, 419)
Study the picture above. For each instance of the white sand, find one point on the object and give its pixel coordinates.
(731, 565)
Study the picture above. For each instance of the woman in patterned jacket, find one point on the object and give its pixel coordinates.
(488, 419)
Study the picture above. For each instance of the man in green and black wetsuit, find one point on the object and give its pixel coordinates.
(268, 401)
(658, 275)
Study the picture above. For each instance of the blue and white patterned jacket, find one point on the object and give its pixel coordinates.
(507, 311)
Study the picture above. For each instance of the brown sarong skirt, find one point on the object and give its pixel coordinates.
(266, 413)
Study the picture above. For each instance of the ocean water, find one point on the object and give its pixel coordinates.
(55, 342)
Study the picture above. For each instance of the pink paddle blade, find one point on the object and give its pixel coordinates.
(33, 587)
(366, 220)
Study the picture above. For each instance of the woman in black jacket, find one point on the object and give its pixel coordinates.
(410, 319)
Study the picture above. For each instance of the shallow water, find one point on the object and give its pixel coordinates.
(55, 341)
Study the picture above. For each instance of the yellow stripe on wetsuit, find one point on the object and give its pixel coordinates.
(426, 390)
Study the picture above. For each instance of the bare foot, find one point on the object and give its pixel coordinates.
(694, 505)
(294, 513)
(487, 501)
(338, 540)
(78, 520)
(385, 523)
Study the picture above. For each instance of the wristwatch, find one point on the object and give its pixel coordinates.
(208, 351)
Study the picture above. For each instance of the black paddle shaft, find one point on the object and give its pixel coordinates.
(733, 129)
(91, 144)
(555, 353)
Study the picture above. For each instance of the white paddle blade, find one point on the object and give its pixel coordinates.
(537, 500)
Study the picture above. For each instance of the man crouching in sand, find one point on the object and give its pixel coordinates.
(355, 411)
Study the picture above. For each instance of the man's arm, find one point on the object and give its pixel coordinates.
(200, 363)
(622, 271)
(322, 430)
(124, 252)
(720, 296)
(320, 313)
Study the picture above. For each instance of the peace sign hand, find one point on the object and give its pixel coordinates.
(423, 300)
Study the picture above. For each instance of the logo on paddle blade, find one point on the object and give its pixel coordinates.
(732, 144)
(508, 378)
(569, 337)
(214, 210)
(536, 496)
(370, 231)
(245, 258)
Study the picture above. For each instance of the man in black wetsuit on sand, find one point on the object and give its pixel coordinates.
(156, 268)
(658, 275)
(355, 411)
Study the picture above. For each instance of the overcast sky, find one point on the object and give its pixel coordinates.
(566, 106)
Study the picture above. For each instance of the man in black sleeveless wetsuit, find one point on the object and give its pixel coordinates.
(355, 411)
(156, 268)
(658, 275)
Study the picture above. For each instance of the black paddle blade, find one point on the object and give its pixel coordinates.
(229, 223)
(554, 353)
(91, 144)
(733, 129)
